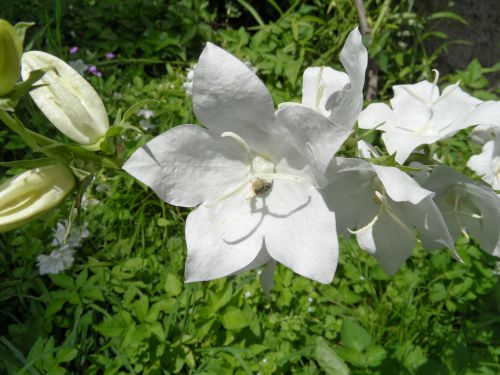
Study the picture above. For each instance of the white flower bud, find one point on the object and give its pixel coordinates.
(32, 193)
(67, 99)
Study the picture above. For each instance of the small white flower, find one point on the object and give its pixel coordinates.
(146, 113)
(487, 163)
(58, 261)
(419, 115)
(310, 299)
(248, 294)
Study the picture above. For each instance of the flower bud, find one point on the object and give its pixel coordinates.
(67, 99)
(10, 55)
(32, 193)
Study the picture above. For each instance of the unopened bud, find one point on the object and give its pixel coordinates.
(32, 193)
(10, 55)
(70, 103)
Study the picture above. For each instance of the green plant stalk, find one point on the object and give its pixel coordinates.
(49, 147)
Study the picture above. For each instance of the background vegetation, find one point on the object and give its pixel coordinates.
(124, 309)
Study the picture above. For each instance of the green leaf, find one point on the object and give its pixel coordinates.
(173, 285)
(354, 336)
(437, 292)
(375, 355)
(66, 355)
(328, 360)
(234, 319)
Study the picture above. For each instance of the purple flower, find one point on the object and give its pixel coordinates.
(93, 70)
(73, 50)
(110, 55)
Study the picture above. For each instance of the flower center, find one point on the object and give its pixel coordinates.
(496, 167)
(261, 174)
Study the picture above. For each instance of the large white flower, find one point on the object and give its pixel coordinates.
(419, 115)
(487, 163)
(382, 206)
(336, 94)
(254, 174)
(468, 207)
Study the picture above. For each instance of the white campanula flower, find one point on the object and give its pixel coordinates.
(70, 103)
(419, 114)
(335, 94)
(468, 207)
(487, 163)
(253, 174)
(383, 206)
(32, 193)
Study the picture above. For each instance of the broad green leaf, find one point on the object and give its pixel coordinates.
(354, 336)
(328, 360)
(234, 319)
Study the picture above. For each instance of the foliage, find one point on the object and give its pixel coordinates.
(124, 309)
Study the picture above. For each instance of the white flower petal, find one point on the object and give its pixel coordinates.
(394, 241)
(314, 135)
(228, 96)
(486, 113)
(223, 239)
(374, 115)
(403, 143)
(427, 218)
(399, 186)
(300, 230)
(466, 205)
(414, 97)
(318, 84)
(346, 105)
(350, 196)
(450, 112)
(186, 166)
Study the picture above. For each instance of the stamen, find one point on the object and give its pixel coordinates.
(278, 176)
(320, 90)
(436, 79)
(238, 139)
(367, 226)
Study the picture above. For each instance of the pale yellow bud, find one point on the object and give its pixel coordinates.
(10, 56)
(32, 193)
(70, 103)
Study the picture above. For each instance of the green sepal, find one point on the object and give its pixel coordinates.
(29, 164)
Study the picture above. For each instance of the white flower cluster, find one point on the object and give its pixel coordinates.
(267, 185)
(62, 258)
